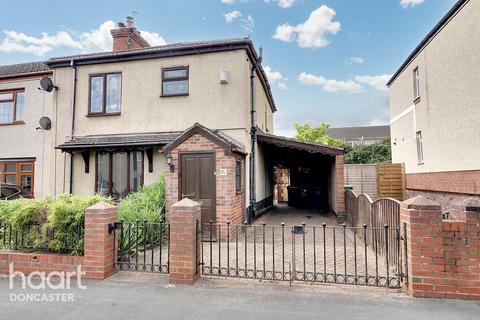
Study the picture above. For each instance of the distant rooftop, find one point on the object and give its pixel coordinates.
(360, 132)
(22, 69)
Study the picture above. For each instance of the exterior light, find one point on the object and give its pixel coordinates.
(170, 163)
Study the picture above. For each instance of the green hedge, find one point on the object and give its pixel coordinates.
(48, 224)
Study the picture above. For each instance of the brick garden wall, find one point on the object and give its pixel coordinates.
(229, 205)
(98, 258)
(443, 256)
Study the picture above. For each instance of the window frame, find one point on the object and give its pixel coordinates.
(110, 169)
(416, 83)
(419, 144)
(104, 94)
(186, 78)
(14, 100)
(238, 176)
(18, 172)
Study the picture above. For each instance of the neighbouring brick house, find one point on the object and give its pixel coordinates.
(434, 115)
(200, 113)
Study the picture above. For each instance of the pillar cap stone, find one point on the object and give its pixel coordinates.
(421, 203)
(185, 203)
(102, 205)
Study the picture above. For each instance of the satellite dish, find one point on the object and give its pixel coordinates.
(47, 84)
(45, 123)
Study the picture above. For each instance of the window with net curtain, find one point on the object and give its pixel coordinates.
(119, 173)
(12, 105)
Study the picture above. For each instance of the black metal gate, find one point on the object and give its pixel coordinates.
(142, 246)
(329, 254)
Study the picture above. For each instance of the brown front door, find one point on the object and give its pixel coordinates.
(197, 179)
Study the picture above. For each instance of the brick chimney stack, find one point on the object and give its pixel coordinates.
(127, 37)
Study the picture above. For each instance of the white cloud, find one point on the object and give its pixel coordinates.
(275, 78)
(20, 42)
(272, 75)
(95, 39)
(410, 3)
(228, 1)
(282, 3)
(328, 84)
(230, 16)
(376, 82)
(284, 32)
(352, 60)
(248, 23)
(311, 33)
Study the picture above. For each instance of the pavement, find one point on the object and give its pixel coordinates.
(148, 296)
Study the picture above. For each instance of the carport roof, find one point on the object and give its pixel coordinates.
(298, 145)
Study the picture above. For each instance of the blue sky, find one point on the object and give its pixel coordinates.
(327, 60)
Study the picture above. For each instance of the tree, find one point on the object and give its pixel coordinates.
(318, 134)
(379, 152)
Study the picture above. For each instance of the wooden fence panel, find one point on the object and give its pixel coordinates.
(391, 183)
(363, 178)
(386, 180)
(361, 210)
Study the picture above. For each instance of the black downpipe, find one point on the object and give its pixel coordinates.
(253, 134)
(74, 96)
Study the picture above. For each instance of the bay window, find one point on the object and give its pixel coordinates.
(119, 173)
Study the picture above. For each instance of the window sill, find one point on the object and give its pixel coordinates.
(416, 100)
(174, 95)
(103, 114)
(13, 123)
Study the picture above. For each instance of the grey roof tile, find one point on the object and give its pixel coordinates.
(22, 68)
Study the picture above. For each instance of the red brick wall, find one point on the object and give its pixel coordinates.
(443, 256)
(229, 205)
(41, 262)
(98, 259)
(464, 182)
(184, 243)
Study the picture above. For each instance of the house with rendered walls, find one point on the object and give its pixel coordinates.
(26, 148)
(434, 110)
(200, 113)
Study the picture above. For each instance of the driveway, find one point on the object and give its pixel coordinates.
(147, 296)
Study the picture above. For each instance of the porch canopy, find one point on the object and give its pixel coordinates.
(303, 174)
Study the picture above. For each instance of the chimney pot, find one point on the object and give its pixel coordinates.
(121, 25)
(129, 22)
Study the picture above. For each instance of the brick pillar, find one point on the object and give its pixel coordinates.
(184, 218)
(340, 187)
(98, 255)
(442, 255)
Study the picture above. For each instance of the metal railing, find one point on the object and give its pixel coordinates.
(329, 254)
(142, 246)
(41, 237)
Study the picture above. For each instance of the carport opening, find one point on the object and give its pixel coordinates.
(301, 179)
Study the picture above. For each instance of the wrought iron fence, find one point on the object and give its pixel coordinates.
(142, 246)
(329, 254)
(41, 237)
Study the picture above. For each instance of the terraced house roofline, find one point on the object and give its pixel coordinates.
(169, 50)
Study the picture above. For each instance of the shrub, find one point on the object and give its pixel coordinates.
(61, 219)
(145, 204)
